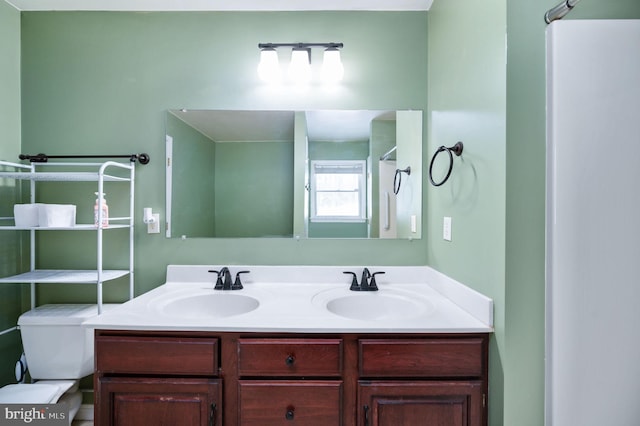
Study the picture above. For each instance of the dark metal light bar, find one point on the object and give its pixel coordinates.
(300, 45)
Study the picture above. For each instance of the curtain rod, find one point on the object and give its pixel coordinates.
(43, 158)
(387, 154)
(559, 11)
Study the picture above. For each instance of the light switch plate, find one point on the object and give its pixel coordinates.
(446, 228)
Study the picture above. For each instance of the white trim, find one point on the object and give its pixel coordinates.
(85, 412)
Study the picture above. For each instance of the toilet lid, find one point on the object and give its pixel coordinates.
(36, 393)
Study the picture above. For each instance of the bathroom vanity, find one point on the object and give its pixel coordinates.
(298, 357)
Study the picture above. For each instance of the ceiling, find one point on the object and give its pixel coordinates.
(219, 5)
(235, 126)
(322, 125)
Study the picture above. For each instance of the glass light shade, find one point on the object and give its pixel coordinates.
(300, 66)
(269, 68)
(332, 69)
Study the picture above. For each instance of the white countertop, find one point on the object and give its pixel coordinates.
(294, 299)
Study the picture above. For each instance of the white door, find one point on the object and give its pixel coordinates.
(593, 223)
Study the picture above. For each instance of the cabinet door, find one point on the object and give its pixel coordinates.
(438, 403)
(153, 401)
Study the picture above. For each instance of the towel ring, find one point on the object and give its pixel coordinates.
(397, 179)
(456, 149)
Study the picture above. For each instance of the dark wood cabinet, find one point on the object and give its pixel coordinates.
(208, 378)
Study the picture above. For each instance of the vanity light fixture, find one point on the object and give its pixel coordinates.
(268, 68)
(300, 66)
(332, 68)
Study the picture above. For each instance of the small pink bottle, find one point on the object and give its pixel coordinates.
(105, 211)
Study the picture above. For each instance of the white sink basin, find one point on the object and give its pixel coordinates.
(208, 305)
(375, 305)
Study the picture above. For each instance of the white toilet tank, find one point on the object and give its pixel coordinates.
(55, 343)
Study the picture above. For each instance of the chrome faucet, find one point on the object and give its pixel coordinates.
(223, 281)
(367, 283)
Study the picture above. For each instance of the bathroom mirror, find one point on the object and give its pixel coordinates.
(285, 174)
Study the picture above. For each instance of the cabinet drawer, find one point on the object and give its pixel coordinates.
(307, 403)
(421, 357)
(290, 357)
(157, 355)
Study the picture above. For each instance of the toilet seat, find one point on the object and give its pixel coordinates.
(42, 392)
(45, 392)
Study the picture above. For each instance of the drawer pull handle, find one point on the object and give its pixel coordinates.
(289, 414)
(290, 360)
(366, 415)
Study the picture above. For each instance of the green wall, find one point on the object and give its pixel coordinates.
(467, 102)
(254, 189)
(12, 244)
(192, 158)
(9, 82)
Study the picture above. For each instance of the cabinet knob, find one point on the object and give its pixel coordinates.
(290, 412)
(290, 360)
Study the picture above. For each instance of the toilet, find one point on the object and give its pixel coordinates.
(59, 352)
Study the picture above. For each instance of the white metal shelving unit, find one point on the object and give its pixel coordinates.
(108, 171)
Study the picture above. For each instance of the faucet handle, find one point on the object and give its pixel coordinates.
(354, 281)
(237, 285)
(218, 285)
(372, 284)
